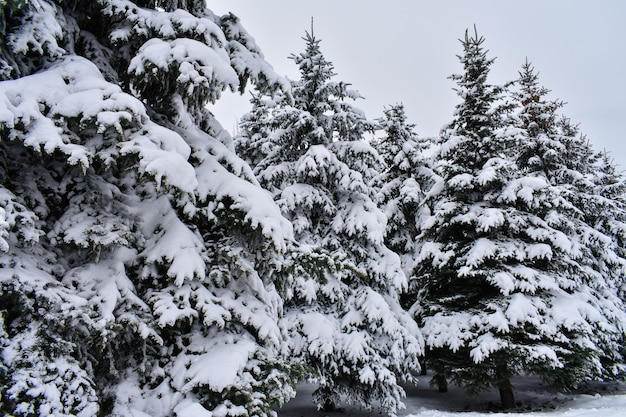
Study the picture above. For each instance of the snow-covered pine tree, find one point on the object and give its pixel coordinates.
(403, 183)
(308, 149)
(587, 180)
(508, 287)
(143, 268)
(468, 145)
(608, 215)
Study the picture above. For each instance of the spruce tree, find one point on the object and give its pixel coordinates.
(507, 286)
(143, 268)
(404, 182)
(589, 186)
(308, 149)
(469, 145)
(608, 214)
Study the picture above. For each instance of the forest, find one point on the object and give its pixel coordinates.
(154, 264)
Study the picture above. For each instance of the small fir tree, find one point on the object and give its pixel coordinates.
(404, 181)
(404, 188)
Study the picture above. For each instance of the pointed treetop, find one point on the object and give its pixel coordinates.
(475, 40)
(537, 113)
(481, 108)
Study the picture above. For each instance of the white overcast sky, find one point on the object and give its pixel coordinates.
(395, 51)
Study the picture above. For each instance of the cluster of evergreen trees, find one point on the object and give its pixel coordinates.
(153, 265)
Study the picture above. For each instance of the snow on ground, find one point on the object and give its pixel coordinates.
(534, 399)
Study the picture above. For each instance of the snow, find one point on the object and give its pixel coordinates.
(165, 24)
(505, 281)
(189, 408)
(524, 188)
(451, 331)
(319, 331)
(108, 285)
(539, 250)
(482, 249)
(172, 307)
(21, 101)
(434, 250)
(75, 89)
(573, 311)
(489, 173)
(218, 369)
(305, 196)
(561, 241)
(359, 217)
(39, 32)
(487, 344)
(174, 242)
(533, 398)
(490, 218)
(197, 63)
(521, 308)
(167, 167)
(221, 175)
(461, 181)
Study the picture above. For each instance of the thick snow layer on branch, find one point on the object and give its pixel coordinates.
(523, 309)
(40, 32)
(106, 285)
(188, 408)
(171, 242)
(525, 189)
(361, 217)
(224, 176)
(485, 344)
(198, 64)
(574, 311)
(158, 23)
(39, 108)
(217, 368)
(482, 249)
(451, 331)
(320, 333)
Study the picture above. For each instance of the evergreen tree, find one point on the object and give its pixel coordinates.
(608, 214)
(553, 148)
(143, 268)
(466, 145)
(404, 188)
(404, 182)
(308, 149)
(504, 257)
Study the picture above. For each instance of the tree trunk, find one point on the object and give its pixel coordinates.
(423, 369)
(507, 398)
(329, 406)
(441, 381)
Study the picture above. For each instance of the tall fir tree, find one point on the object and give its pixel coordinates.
(468, 145)
(308, 149)
(503, 259)
(588, 182)
(144, 270)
